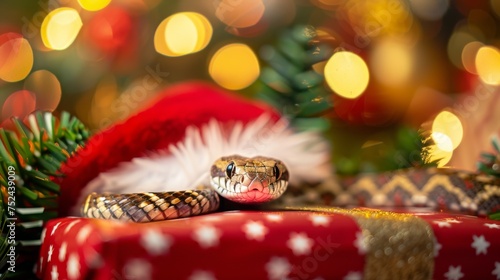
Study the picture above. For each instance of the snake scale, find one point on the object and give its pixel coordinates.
(261, 179)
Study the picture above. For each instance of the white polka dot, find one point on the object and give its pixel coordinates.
(137, 269)
(73, 267)
(62, 251)
(83, 234)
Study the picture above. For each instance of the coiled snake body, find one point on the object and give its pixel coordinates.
(237, 178)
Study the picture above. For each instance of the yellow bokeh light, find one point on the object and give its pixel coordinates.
(347, 74)
(469, 56)
(392, 62)
(447, 131)
(234, 66)
(241, 13)
(18, 60)
(488, 65)
(441, 156)
(60, 28)
(182, 33)
(94, 5)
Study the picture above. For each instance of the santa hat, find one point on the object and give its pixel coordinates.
(171, 144)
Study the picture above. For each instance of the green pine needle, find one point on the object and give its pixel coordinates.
(289, 82)
(35, 151)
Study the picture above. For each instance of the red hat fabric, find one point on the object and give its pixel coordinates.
(152, 129)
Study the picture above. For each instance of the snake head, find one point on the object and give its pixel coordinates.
(249, 180)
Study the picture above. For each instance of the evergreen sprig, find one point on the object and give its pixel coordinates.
(289, 81)
(30, 155)
(490, 162)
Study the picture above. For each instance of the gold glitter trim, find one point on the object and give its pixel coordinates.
(398, 246)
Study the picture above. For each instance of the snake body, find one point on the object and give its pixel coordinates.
(237, 178)
(262, 179)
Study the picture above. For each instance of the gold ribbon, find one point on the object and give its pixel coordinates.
(398, 246)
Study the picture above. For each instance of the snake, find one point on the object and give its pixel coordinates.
(236, 178)
(261, 179)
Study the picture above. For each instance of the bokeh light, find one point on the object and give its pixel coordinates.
(469, 56)
(234, 66)
(392, 62)
(447, 131)
(241, 13)
(19, 104)
(16, 57)
(60, 28)
(182, 33)
(347, 74)
(488, 65)
(93, 5)
(438, 155)
(456, 43)
(429, 9)
(46, 88)
(110, 29)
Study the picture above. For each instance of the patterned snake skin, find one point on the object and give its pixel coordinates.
(239, 179)
(423, 189)
(262, 179)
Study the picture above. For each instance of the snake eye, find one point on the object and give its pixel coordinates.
(277, 172)
(230, 169)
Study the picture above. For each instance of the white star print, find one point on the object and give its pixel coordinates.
(62, 251)
(353, 276)
(83, 234)
(137, 269)
(274, 217)
(155, 242)
(360, 243)
(496, 271)
(480, 244)
(300, 243)
(70, 225)
(54, 228)
(437, 247)
(255, 230)
(51, 251)
(454, 273)
(207, 236)
(442, 224)
(278, 268)
(495, 226)
(202, 275)
(54, 275)
(319, 220)
(453, 221)
(73, 267)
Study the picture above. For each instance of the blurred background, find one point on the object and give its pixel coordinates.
(387, 69)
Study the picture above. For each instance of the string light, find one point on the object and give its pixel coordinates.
(234, 66)
(347, 74)
(60, 28)
(182, 33)
(241, 13)
(46, 88)
(488, 65)
(93, 5)
(16, 57)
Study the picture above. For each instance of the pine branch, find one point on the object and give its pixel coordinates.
(490, 162)
(289, 82)
(30, 156)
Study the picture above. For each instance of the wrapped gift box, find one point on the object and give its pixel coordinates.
(322, 244)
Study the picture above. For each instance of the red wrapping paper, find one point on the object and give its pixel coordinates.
(251, 245)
